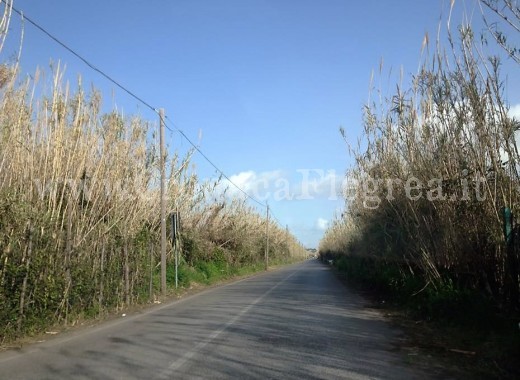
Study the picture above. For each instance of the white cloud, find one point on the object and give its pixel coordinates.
(318, 183)
(514, 111)
(244, 180)
(277, 185)
(322, 224)
(257, 185)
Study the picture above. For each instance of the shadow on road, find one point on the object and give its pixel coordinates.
(295, 323)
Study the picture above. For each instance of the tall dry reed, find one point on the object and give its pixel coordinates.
(439, 165)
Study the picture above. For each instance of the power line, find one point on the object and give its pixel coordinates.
(81, 58)
(132, 94)
(212, 163)
(275, 218)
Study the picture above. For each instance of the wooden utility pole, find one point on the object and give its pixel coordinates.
(150, 290)
(287, 241)
(175, 222)
(163, 206)
(267, 240)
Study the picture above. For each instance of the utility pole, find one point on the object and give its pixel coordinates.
(163, 206)
(287, 241)
(176, 250)
(267, 240)
(175, 222)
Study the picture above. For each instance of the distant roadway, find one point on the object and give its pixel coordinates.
(298, 322)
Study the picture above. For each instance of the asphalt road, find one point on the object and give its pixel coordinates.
(298, 322)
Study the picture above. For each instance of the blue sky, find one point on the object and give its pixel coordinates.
(266, 83)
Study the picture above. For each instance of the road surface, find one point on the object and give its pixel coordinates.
(298, 322)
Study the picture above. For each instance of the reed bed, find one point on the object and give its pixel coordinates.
(438, 166)
(79, 207)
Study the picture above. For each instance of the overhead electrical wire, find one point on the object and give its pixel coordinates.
(212, 163)
(81, 58)
(133, 95)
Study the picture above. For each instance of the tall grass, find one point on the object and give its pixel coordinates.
(439, 165)
(79, 207)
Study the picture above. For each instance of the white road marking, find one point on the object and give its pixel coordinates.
(178, 363)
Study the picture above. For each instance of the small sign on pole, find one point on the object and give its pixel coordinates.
(175, 223)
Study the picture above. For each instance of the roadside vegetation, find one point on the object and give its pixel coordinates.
(434, 177)
(79, 209)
